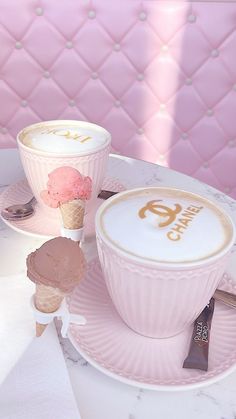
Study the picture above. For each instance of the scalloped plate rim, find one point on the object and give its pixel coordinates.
(146, 386)
(157, 387)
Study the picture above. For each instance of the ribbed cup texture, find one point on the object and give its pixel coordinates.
(37, 167)
(158, 302)
(155, 364)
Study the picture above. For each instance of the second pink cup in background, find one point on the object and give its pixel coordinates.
(47, 145)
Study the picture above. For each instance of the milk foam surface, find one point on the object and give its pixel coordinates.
(65, 138)
(166, 225)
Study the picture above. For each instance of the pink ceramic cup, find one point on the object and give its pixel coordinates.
(38, 164)
(160, 299)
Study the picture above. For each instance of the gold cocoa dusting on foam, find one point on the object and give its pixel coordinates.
(56, 130)
(67, 133)
(176, 194)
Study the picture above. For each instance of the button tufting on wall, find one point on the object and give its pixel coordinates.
(94, 75)
(140, 131)
(46, 74)
(140, 77)
(142, 16)
(18, 45)
(210, 112)
(117, 47)
(91, 14)
(71, 102)
(165, 48)
(188, 81)
(232, 143)
(39, 11)
(215, 53)
(192, 18)
(117, 103)
(161, 157)
(205, 165)
(69, 44)
(184, 135)
(227, 189)
(162, 106)
(3, 130)
(24, 103)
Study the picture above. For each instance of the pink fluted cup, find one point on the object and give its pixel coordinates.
(158, 300)
(38, 164)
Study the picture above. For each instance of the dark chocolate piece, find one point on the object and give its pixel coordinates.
(199, 346)
(106, 194)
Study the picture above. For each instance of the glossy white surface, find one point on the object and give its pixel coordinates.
(98, 396)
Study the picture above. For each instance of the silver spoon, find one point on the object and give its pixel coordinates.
(23, 211)
(18, 211)
(225, 297)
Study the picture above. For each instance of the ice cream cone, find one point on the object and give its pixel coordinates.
(73, 214)
(56, 268)
(47, 300)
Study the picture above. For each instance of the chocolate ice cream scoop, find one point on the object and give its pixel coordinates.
(58, 263)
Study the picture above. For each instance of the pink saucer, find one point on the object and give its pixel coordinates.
(110, 346)
(39, 225)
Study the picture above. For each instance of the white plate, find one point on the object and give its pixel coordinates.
(112, 347)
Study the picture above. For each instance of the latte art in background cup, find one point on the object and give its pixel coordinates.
(64, 139)
(48, 145)
(163, 252)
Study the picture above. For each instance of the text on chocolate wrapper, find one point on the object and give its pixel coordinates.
(201, 336)
(169, 215)
(66, 133)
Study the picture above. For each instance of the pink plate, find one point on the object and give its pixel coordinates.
(110, 346)
(40, 224)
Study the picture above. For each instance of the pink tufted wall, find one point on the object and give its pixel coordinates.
(160, 75)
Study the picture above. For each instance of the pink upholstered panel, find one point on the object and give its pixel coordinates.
(160, 75)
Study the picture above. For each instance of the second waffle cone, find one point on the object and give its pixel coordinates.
(73, 214)
(47, 300)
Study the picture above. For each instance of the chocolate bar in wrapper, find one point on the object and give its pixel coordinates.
(199, 346)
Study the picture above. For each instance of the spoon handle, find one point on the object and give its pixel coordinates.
(226, 297)
(32, 200)
(106, 194)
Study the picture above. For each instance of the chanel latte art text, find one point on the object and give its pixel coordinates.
(182, 224)
(165, 225)
(169, 215)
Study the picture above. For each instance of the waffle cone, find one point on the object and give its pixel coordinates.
(47, 299)
(72, 213)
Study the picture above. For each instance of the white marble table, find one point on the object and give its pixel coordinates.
(98, 396)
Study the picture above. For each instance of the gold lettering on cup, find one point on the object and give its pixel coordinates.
(67, 134)
(170, 215)
(161, 210)
(173, 236)
(179, 228)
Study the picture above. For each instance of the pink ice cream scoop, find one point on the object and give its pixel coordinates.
(66, 184)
